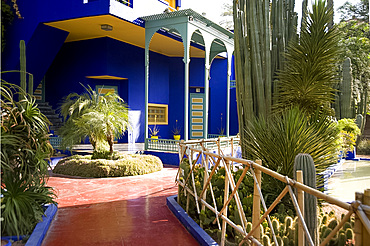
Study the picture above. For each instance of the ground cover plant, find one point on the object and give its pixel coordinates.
(25, 149)
(118, 165)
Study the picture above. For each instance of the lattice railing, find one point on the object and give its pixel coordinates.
(211, 162)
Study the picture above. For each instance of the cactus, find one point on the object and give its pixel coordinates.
(255, 63)
(341, 239)
(305, 163)
(360, 121)
(288, 222)
(22, 66)
(248, 227)
(349, 234)
(346, 90)
(333, 223)
(265, 240)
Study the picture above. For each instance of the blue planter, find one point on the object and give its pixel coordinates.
(40, 230)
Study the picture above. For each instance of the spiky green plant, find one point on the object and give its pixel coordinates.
(25, 149)
(277, 139)
(308, 77)
(99, 117)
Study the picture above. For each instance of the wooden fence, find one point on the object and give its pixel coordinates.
(196, 150)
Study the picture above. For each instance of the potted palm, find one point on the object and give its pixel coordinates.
(176, 132)
(221, 130)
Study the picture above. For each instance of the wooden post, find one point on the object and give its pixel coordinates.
(358, 224)
(226, 196)
(300, 196)
(257, 203)
(366, 201)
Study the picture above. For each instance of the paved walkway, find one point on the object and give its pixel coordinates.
(116, 211)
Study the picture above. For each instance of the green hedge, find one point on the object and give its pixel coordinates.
(125, 165)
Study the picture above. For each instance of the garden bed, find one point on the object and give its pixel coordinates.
(122, 165)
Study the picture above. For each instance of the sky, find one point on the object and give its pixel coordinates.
(214, 8)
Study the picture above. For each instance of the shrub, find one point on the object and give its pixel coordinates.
(363, 148)
(124, 165)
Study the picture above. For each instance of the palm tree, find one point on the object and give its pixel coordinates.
(101, 118)
(309, 73)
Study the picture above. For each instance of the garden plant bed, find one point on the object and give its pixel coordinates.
(121, 165)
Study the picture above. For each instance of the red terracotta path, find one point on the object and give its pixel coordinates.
(116, 211)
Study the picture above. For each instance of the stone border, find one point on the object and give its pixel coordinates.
(198, 233)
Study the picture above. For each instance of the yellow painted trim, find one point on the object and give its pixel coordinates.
(197, 120)
(86, 28)
(105, 77)
(197, 127)
(197, 134)
(165, 106)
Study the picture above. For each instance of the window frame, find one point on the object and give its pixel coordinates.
(157, 105)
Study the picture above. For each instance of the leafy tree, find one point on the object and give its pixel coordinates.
(359, 11)
(355, 41)
(309, 74)
(101, 118)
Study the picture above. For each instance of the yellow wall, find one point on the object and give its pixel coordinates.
(172, 3)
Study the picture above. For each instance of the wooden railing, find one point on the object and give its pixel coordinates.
(196, 150)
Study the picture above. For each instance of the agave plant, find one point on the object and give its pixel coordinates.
(101, 118)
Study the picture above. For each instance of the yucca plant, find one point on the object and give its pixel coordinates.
(101, 118)
(309, 74)
(277, 140)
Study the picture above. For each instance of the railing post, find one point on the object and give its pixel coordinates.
(358, 224)
(300, 196)
(257, 203)
(226, 196)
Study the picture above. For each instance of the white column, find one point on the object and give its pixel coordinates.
(146, 89)
(186, 94)
(206, 93)
(228, 98)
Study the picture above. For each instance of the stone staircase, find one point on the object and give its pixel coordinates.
(54, 118)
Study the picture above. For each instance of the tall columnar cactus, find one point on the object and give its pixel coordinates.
(22, 67)
(346, 90)
(360, 121)
(259, 46)
(305, 163)
(23, 70)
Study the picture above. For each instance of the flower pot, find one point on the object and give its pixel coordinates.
(154, 137)
(176, 137)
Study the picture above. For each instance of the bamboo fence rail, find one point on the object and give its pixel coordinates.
(196, 150)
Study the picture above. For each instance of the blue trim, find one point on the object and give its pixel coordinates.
(40, 230)
(198, 233)
(42, 227)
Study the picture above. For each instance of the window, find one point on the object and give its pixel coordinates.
(126, 2)
(157, 114)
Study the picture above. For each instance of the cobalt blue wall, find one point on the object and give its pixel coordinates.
(217, 95)
(176, 95)
(33, 14)
(105, 56)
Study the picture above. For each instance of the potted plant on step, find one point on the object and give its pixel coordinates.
(221, 130)
(154, 132)
(176, 132)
